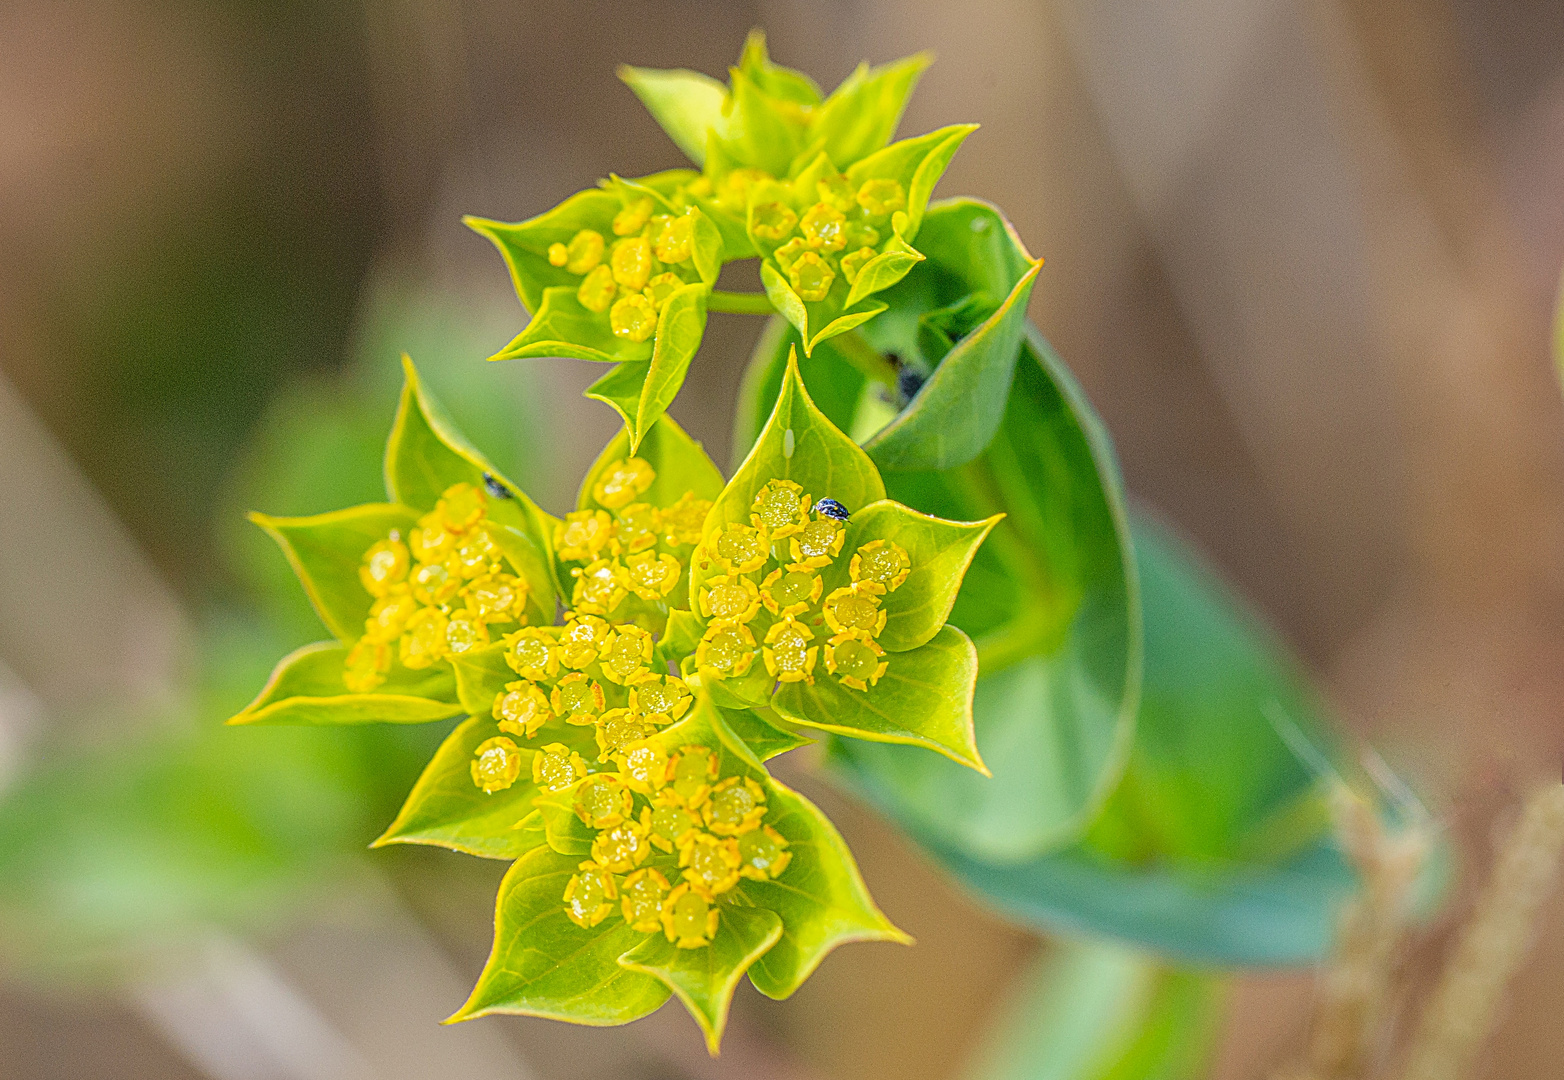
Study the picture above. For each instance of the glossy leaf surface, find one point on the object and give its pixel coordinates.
(306, 688)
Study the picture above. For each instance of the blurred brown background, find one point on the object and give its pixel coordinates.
(1302, 253)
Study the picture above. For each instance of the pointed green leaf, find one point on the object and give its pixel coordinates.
(680, 325)
(524, 245)
(883, 271)
(758, 133)
(765, 738)
(821, 897)
(306, 688)
(326, 550)
(782, 83)
(923, 699)
(704, 979)
(836, 385)
(798, 443)
(939, 551)
(680, 462)
(542, 964)
(447, 809)
(687, 104)
(973, 253)
(915, 163)
(681, 635)
(563, 327)
(426, 454)
(861, 114)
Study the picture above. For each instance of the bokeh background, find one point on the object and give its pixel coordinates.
(1302, 253)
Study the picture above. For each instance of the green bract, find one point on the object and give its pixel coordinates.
(625, 274)
(616, 753)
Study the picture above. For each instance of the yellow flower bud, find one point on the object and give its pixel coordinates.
(465, 631)
(761, 854)
(823, 227)
(633, 317)
(636, 528)
(597, 289)
(633, 218)
(661, 287)
(740, 549)
(818, 542)
(366, 665)
(855, 659)
(631, 262)
(589, 896)
(772, 221)
(811, 277)
(385, 566)
(522, 709)
(688, 918)
(603, 801)
(676, 240)
(644, 892)
(496, 764)
(881, 196)
(836, 192)
(621, 848)
(726, 649)
(598, 588)
(790, 590)
(881, 562)
(788, 655)
(556, 767)
(558, 254)
(732, 598)
(628, 654)
(582, 535)
(684, 520)
(854, 607)
(532, 653)
(710, 862)
(736, 806)
(584, 253)
(622, 481)
(578, 699)
(582, 640)
(780, 508)
(652, 576)
(424, 644)
(652, 694)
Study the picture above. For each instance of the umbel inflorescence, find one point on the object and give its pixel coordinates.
(624, 672)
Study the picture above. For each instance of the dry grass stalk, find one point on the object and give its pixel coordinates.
(1355, 989)
(1462, 1011)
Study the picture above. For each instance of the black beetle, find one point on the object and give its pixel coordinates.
(497, 489)
(831, 509)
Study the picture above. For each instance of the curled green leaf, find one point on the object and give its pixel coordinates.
(307, 688)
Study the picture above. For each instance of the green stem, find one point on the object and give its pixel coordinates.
(865, 357)
(739, 303)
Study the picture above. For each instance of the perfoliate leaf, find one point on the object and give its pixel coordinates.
(704, 979)
(687, 104)
(799, 444)
(940, 552)
(306, 688)
(973, 254)
(542, 964)
(834, 384)
(326, 550)
(861, 114)
(923, 699)
(446, 809)
(680, 462)
(426, 454)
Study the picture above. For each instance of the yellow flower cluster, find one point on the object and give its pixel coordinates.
(672, 839)
(836, 235)
(775, 563)
(633, 277)
(437, 592)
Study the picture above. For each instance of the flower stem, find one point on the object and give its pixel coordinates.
(739, 303)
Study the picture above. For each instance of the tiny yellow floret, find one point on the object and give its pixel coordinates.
(811, 277)
(496, 764)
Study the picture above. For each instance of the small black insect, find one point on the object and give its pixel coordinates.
(497, 489)
(909, 381)
(831, 509)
